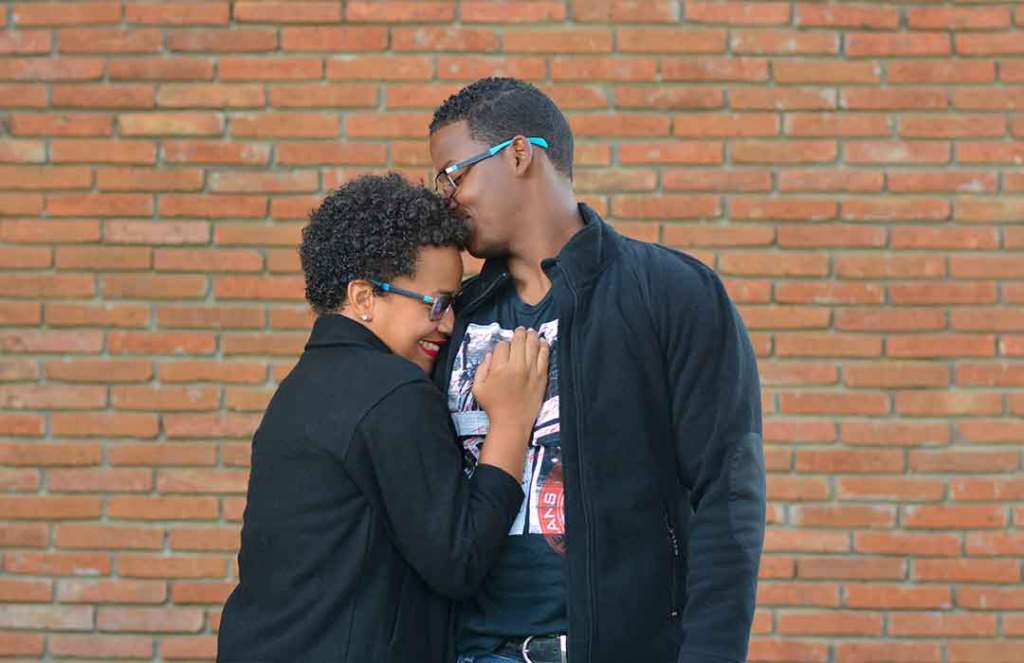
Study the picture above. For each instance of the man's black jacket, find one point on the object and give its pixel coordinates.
(359, 515)
(661, 440)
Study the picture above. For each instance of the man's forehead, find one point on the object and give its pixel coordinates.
(452, 140)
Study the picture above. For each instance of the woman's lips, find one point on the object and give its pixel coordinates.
(430, 348)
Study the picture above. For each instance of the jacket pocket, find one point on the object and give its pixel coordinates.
(674, 560)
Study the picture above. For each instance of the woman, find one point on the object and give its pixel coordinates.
(360, 525)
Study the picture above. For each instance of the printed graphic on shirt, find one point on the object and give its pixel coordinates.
(543, 511)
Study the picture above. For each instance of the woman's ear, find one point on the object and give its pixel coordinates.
(360, 299)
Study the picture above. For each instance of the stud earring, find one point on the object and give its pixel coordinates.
(364, 317)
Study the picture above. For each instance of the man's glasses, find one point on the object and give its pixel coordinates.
(438, 305)
(445, 184)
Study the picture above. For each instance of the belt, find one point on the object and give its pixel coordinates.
(537, 648)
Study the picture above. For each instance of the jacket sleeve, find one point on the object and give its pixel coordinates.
(449, 527)
(716, 403)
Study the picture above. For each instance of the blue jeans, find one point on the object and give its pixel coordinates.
(487, 658)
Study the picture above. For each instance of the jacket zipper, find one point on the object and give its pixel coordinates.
(577, 398)
(673, 608)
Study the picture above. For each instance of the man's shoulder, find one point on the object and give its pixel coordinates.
(672, 270)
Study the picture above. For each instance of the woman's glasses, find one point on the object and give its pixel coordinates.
(438, 305)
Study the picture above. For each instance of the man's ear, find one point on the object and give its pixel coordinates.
(360, 299)
(521, 151)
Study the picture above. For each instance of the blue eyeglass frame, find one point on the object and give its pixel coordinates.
(438, 305)
(462, 165)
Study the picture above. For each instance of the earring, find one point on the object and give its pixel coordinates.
(364, 317)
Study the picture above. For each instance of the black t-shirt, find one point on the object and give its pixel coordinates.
(524, 594)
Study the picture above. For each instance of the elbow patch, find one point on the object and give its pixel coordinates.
(747, 495)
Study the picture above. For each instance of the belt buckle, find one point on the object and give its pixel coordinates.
(562, 648)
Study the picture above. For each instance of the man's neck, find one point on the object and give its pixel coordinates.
(545, 236)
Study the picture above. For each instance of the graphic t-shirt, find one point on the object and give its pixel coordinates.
(524, 594)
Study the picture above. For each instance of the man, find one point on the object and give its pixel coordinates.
(641, 532)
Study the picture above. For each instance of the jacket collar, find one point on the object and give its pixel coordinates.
(582, 258)
(334, 329)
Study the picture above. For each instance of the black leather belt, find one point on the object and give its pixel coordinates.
(537, 649)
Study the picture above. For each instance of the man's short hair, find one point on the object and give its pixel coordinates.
(500, 108)
(372, 228)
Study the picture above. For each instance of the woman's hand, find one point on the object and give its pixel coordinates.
(510, 386)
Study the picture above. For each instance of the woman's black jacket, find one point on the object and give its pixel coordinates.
(360, 526)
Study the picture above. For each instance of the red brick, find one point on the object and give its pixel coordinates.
(828, 293)
(202, 481)
(851, 568)
(990, 152)
(66, 13)
(46, 69)
(962, 461)
(738, 13)
(969, 651)
(891, 374)
(60, 125)
(898, 433)
(95, 645)
(896, 98)
(791, 151)
(215, 153)
(989, 44)
(696, 152)
(783, 42)
(99, 204)
(990, 598)
(802, 72)
(162, 454)
(959, 18)
(847, 16)
(844, 516)
(798, 594)
(436, 38)
(948, 403)
(708, 69)
(16, 590)
(205, 538)
(851, 461)
(259, 11)
(489, 11)
(885, 489)
(671, 40)
(223, 41)
(51, 617)
(676, 98)
(57, 563)
(51, 342)
(160, 343)
(209, 318)
(995, 99)
(811, 344)
(43, 396)
(987, 489)
(966, 570)
(213, 206)
(103, 425)
(788, 650)
(161, 69)
(108, 40)
(24, 95)
(872, 44)
(995, 543)
(953, 516)
(806, 541)
(15, 644)
(948, 293)
(944, 72)
(990, 375)
(149, 620)
(830, 623)
(111, 591)
(211, 95)
(178, 13)
(101, 315)
(108, 537)
(891, 651)
(162, 508)
(158, 566)
(942, 181)
(201, 426)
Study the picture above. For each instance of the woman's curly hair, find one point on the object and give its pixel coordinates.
(372, 228)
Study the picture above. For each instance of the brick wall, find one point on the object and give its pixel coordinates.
(852, 170)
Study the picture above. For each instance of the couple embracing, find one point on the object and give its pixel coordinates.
(559, 459)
